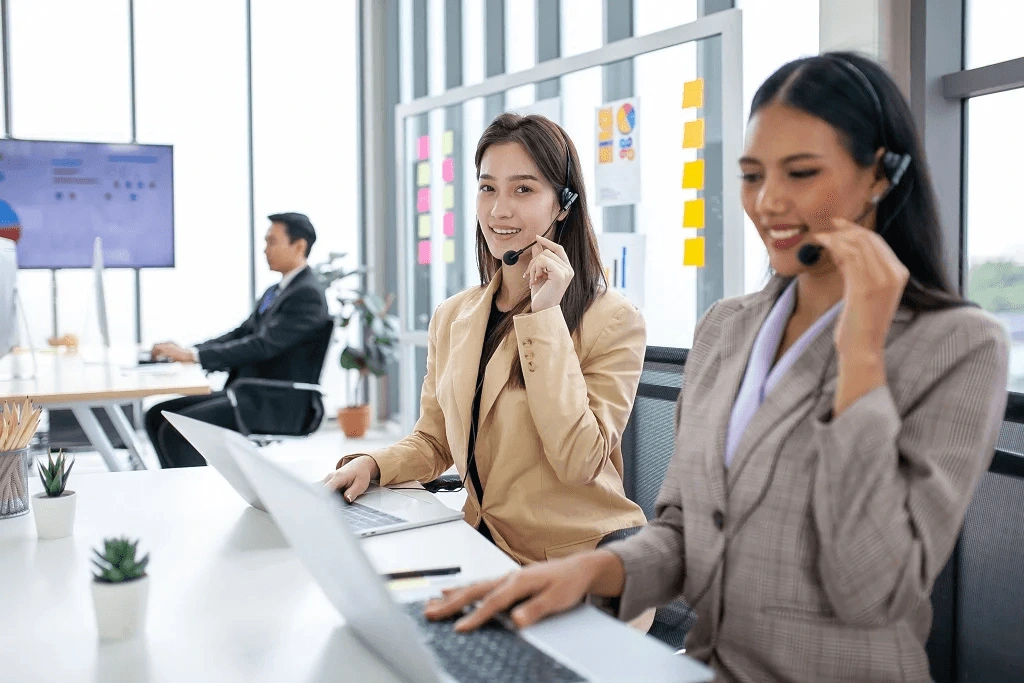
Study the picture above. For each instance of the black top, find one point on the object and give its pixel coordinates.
(489, 347)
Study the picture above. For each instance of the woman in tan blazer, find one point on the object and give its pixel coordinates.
(531, 377)
(832, 427)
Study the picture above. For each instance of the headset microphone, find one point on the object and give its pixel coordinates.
(510, 258)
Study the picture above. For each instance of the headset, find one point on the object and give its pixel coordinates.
(567, 197)
(894, 165)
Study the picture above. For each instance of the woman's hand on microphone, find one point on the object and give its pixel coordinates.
(873, 283)
(549, 274)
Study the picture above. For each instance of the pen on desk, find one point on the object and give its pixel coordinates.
(420, 573)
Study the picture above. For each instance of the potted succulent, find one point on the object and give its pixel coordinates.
(378, 345)
(120, 589)
(54, 508)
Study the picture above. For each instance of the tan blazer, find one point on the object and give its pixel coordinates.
(548, 457)
(816, 550)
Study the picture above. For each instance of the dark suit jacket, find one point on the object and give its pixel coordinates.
(281, 343)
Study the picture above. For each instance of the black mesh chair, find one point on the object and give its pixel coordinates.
(978, 600)
(648, 444)
(295, 409)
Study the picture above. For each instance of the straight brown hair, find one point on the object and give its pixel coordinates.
(547, 144)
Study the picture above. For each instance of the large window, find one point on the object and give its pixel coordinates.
(994, 227)
(992, 32)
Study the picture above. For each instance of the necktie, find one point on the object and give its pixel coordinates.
(268, 299)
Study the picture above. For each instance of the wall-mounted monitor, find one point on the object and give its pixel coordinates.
(56, 198)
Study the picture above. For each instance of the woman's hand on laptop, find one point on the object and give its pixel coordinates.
(540, 590)
(353, 478)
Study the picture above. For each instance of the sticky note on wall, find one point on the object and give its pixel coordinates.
(449, 251)
(424, 253)
(693, 93)
(423, 229)
(449, 224)
(448, 142)
(423, 174)
(693, 252)
(423, 200)
(693, 175)
(423, 148)
(448, 170)
(448, 197)
(693, 213)
(693, 134)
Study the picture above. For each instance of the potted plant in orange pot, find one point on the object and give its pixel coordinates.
(377, 348)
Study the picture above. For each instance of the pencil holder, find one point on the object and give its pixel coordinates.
(14, 483)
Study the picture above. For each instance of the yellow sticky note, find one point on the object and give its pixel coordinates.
(449, 251)
(693, 175)
(693, 252)
(693, 213)
(423, 174)
(693, 93)
(693, 134)
(448, 197)
(424, 225)
(448, 143)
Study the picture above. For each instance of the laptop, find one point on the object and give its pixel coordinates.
(378, 511)
(583, 644)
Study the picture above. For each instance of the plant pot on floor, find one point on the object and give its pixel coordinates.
(120, 607)
(54, 515)
(354, 420)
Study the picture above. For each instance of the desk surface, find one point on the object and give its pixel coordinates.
(64, 378)
(229, 600)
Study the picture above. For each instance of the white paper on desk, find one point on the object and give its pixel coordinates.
(422, 589)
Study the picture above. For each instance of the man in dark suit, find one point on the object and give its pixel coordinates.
(278, 341)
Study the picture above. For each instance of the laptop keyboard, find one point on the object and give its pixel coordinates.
(362, 518)
(492, 653)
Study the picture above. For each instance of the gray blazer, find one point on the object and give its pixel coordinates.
(812, 557)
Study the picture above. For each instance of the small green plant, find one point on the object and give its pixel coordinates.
(54, 474)
(117, 563)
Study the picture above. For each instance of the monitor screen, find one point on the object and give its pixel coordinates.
(57, 197)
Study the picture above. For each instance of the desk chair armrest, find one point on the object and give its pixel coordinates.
(252, 387)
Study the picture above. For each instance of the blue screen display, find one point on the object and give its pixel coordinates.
(57, 197)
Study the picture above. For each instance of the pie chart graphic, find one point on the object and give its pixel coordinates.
(10, 224)
(626, 119)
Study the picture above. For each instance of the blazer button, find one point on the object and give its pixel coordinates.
(528, 355)
(527, 342)
(719, 519)
(530, 367)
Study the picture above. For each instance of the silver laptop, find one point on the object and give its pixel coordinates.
(378, 511)
(581, 645)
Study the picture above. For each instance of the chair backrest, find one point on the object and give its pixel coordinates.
(649, 439)
(978, 599)
(322, 344)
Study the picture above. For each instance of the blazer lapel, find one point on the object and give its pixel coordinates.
(734, 343)
(467, 340)
(496, 376)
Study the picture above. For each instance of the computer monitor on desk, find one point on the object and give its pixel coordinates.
(8, 297)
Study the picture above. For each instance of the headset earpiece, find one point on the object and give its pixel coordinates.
(894, 166)
(568, 198)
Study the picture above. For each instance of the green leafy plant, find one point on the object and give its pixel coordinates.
(117, 562)
(54, 474)
(379, 339)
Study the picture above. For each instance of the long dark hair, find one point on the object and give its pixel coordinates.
(908, 218)
(546, 143)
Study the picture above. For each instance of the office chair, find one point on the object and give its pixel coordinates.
(978, 599)
(648, 443)
(269, 410)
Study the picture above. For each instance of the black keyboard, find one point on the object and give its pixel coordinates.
(362, 518)
(492, 653)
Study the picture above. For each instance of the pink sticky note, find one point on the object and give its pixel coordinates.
(424, 253)
(423, 200)
(448, 170)
(449, 224)
(424, 147)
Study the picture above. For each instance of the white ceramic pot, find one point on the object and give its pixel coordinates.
(120, 608)
(55, 517)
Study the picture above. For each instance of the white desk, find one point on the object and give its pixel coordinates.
(228, 601)
(68, 381)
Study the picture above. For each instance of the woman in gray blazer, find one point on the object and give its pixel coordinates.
(832, 427)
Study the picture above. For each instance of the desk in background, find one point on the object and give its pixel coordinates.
(69, 381)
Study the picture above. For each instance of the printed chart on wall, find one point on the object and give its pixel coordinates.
(617, 172)
(623, 255)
